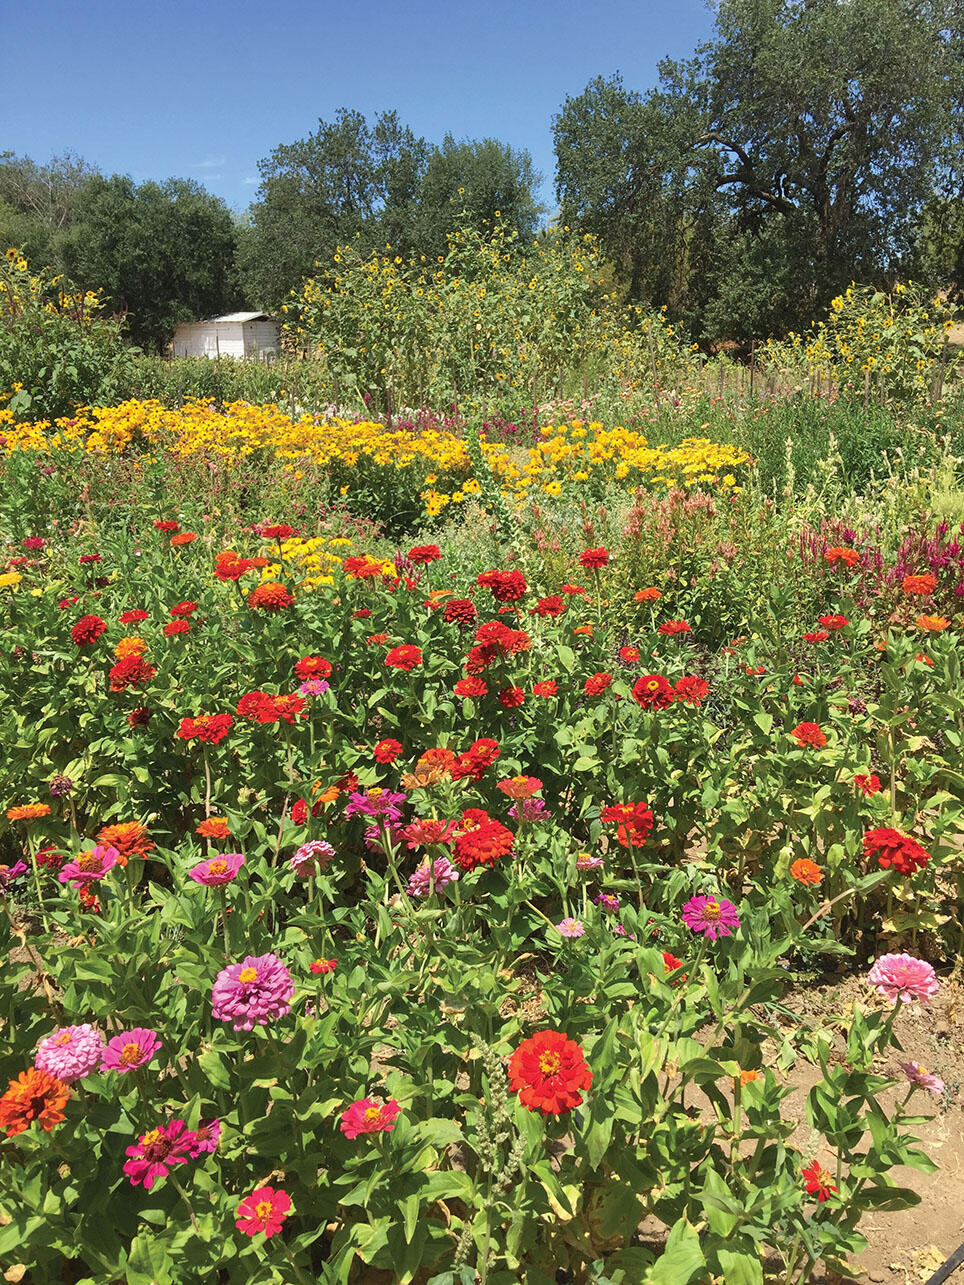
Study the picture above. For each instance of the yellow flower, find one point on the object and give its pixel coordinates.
(9, 579)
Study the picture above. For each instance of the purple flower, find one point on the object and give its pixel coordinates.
(443, 873)
(218, 870)
(129, 1050)
(607, 901)
(256, 990)
(205, 1138)
(532, 810)
(70, 1053)
(921, 1078)
(314, 855)
(60, 785)
(375, 803)
(9, 873)
(156, 1151)
(313, 687)
(711, 916)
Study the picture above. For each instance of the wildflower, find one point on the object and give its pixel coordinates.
(833, 623)
(630, 655)
(264, 1210)
(511, 697)
(157, 1151)
(634, 821)
(460, 611)
(366, 1116)
(423, 554)
(483, 844)
(672, 628)
(593, 559)
(256, 990)
(87, 630)
(9, 873)
(130, 1049)
(892, 848)
(520, 787)
(208, 728)
(506, 586)
(571, 928)
(653, 691)
(28, 812)
(33, 1095)
(321, 966)
(806, 872)
(816, 636)
(607, 901)
(867, 784)
(217, 871)
(586, 861)
(439, 875)
(549, 687)
(387, 751)
(281, 531)
(817, 1181)
(130, 838)
(809, 734)
(712, 916)
(923, 1079)
(652, 594)
(596, 684)
(314, 855)
(903, 977)
(166, 526)
(405, 657)
(848, 557)
(270, 597)
(932, 624)
(70, 1052)
(214, 828)
(89, 865)
(548, 1071)
(313, 667)
(183, 537)
(205, 1138)
(922, 585)
(691, 690)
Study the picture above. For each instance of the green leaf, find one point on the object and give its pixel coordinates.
(681, 1259)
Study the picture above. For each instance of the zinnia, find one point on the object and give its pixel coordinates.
(548, 1070)
(921, 1078)
(70, 1053)
(712, 916)
(817, 1181)
(270, 596)
(593, 559)
(596, 684)
(258, 989)
(653, 691)
(129, 1050)
(892, 848)
(404, 657)
(217, 871)
(87, 630)
(809, 734)
(867, 784)
(314, 855)
(932, 624)
(33, 1095)
(671, 628)
(904, 977)
(387, 751)
(921, 585)
(130, 838)
(806, 871)
(264, 1210)
(157, 1151)
(366, 1116)
(483, 844)
(88, 866)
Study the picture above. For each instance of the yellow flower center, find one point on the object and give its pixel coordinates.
(89, 861)
(63, 1037)
(130, 1054)
(247, 975)
(150, 1138)
(824, 1178)
(263, 1209)
(372, 1113)
(712, 910)
(652, 685)
(549, 1062)
(217, 867)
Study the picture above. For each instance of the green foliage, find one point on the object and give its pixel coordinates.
(57, 349)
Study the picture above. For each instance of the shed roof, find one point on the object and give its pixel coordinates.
(239, 316)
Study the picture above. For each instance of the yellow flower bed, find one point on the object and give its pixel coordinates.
(567, 454)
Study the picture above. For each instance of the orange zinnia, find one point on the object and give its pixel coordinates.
(33, 1095)
(129, 838)
(652, 594)
(932, 624)
(806, 871)
(132, 646)
(28, 812)
(214, 828)
(922, 585)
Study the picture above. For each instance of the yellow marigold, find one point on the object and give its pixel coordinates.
(9, 579)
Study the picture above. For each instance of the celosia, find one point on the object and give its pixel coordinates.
(548, 1071)
(259, 989)
(70, 1053)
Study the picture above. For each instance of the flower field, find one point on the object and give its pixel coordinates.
(412, 845)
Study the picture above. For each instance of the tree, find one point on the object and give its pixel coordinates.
(162, 252)
(813, 129)
(37, 203)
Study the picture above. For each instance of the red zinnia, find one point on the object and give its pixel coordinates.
(183, 609)
(817, 1181)
(470, 687)
(634, 821)
(809, 734)
(140, 716)
(404, 657)
(653, 691)
(892, 848)
(210, 728)
(177, 627)
(270, 596)
(87, 630)
(594, 558)
(280, 531)
(313, 667)
(131, 617)
(670, 628)
(506, 586)
(547, 688)
(511, 697)
(185, 537)
(596, 684)
(131, 671)
(551, 607)
(460, 611)
(547, 1071)
(630, 655)
(818, 635)
(867, 784)
(387, 751)
(833, 622)
(691, 690)
(483, 844)
(422, 554)
(166, 526)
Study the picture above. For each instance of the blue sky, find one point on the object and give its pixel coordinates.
(204, 90)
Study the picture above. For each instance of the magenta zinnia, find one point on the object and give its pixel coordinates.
(157, 1151)
(256, 990)
(218, 870)
(712, 916)
(129, 1050)
(366, 1116)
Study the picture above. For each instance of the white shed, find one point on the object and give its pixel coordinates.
(249, 336)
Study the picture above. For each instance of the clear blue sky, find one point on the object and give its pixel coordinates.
(204, 90)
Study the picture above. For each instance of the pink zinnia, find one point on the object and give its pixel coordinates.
(366, 1116)
(157, 1151)
(571, 927)
(217, 870)
(205, 1138)
(712, 916)
(586, 861)
(70, 1053)
(443, 873)
(264, 1210)
(89, 866)
(314, 855)
(904, 977)
(130, 1049)
(256, 990)
(923, 1079)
